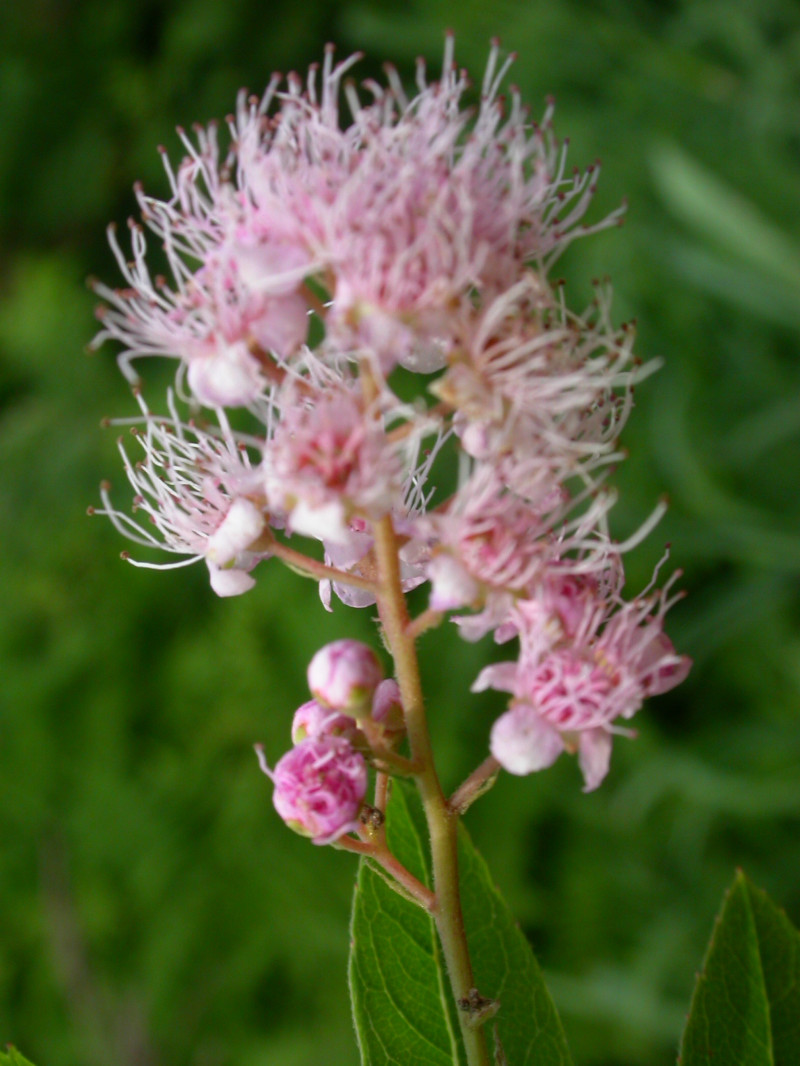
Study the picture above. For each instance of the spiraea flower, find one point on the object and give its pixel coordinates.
(320, 786)
(416, 209)
(536, 389)
(587, 661)
(201, 495)
(491, 548)
(224, 326)
(330, 459)
(365, 272)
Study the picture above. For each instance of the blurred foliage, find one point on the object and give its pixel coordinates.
(152, 908)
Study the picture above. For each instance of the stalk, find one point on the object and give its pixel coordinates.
(442, 820)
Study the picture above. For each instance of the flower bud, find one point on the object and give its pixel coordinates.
(387, 707)
(319, 787)
(344, 676)
(313, 720)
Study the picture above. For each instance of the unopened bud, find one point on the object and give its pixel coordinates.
(344, 676)
(387, 707)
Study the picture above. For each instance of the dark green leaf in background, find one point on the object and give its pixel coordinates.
(401, 1002)
(746, 1006)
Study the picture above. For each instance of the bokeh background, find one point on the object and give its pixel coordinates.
(153, 910)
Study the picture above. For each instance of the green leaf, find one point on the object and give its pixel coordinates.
(746, 1005)
(11, 1057)
(506, 969)
(397, 987)
(402, 1005)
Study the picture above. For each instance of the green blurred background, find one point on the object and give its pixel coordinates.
(153, 910)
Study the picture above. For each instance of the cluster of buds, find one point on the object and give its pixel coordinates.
(370, 288)
(321, 782)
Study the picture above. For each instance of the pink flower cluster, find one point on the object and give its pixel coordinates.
(366, 274)
(321, 782)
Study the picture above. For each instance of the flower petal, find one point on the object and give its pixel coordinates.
(522, 742)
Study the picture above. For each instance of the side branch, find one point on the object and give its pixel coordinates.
(428, 619)
(308, 567)
(479, 781)
(380, 854)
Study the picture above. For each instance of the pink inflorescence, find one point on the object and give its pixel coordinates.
(321, 782)
(365, 272)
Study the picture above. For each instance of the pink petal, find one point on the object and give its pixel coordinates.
(594, 756)
(522, 742)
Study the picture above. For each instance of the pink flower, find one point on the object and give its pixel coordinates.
(345, 242)
(224, 332)
(537, 391)
(438, 206)
(492, 549)
(408, 215)
(319, 787)
(580, 669)
(201, 494)
(344, 675)
(229, 308)
(497, 543)
(330, 459)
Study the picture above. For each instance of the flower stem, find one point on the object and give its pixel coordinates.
(308, 567)
(423, 622)
(442, 820)
(478, 782)
(379, 853)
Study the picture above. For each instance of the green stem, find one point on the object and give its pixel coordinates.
(442, 821)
